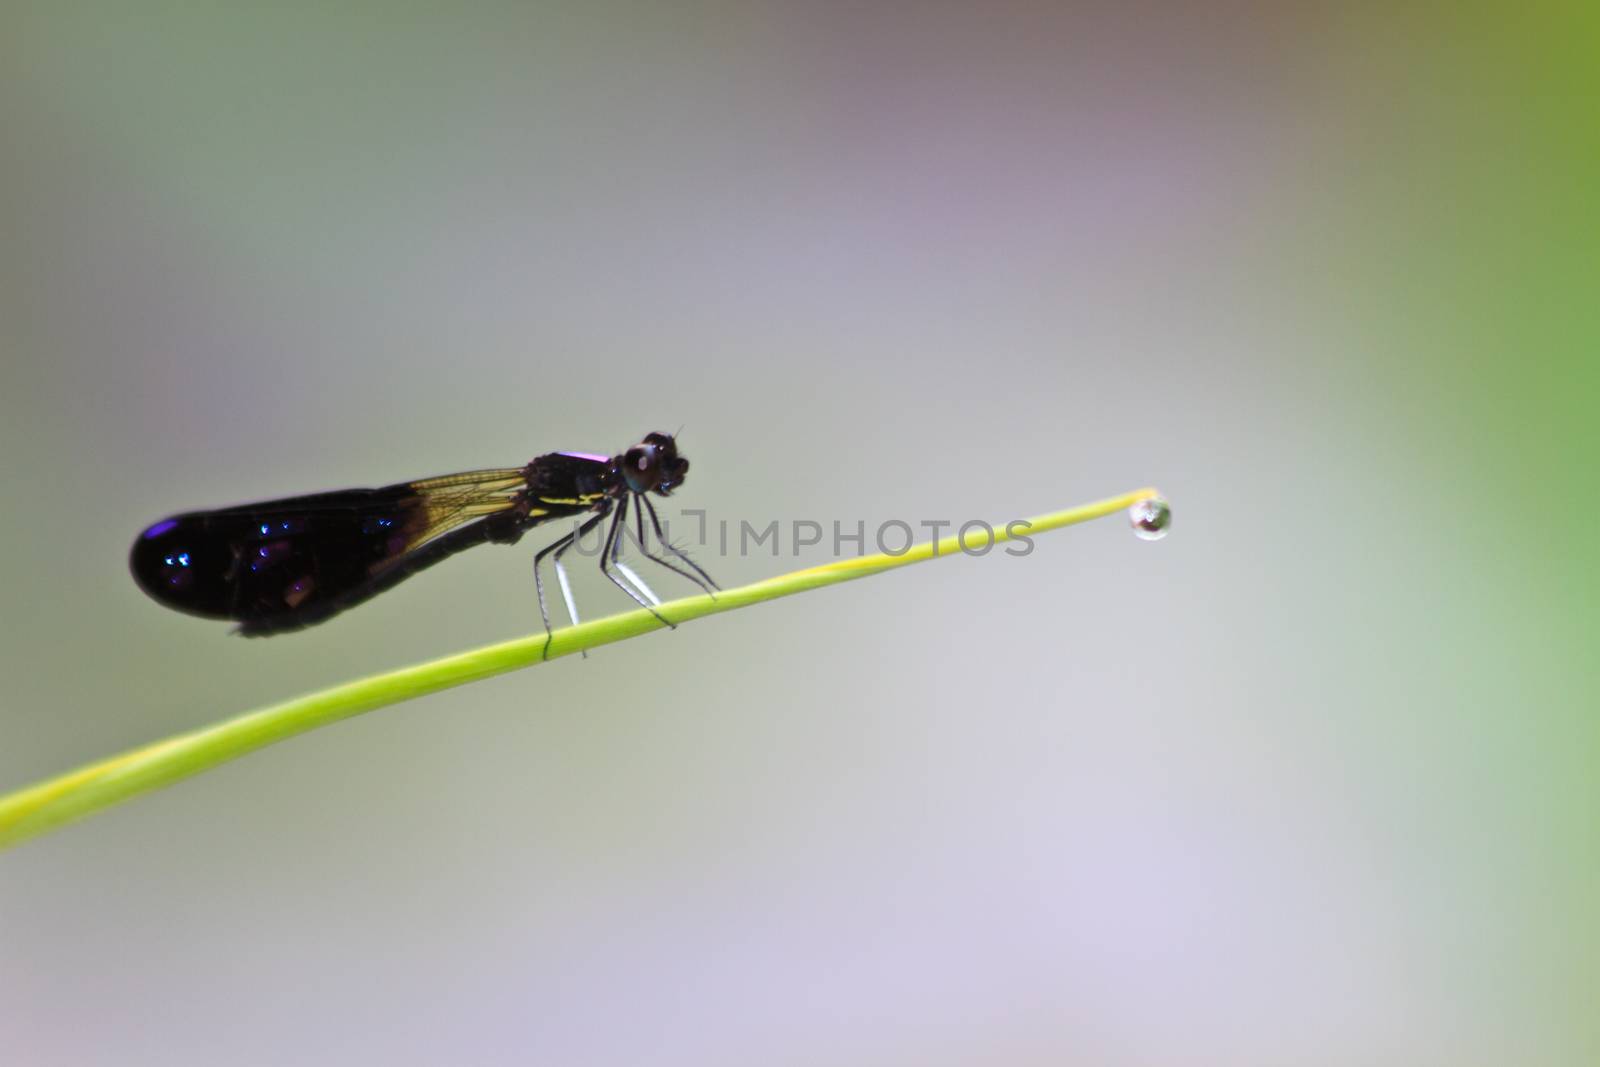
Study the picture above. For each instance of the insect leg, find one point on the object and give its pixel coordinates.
(608, 560)
(703, 580)
(558, 546)
(637, 533)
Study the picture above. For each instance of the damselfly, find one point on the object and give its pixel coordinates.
(286, 564)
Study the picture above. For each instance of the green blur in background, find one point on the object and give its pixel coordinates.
(1311, 781)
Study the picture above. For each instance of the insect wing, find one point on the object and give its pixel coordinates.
(301, 555)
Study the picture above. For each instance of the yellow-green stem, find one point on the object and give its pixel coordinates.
(51, 804)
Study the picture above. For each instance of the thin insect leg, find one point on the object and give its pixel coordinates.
(638, 522)
(637, 582)
(632, 576)
(608, 559)
(566, 589)
(561, 571)
(559, 548)
(637, 533)
(704, 579)
(538, 584)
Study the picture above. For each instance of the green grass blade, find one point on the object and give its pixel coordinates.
(54, 803)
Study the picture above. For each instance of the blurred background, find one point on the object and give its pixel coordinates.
(1310, 781)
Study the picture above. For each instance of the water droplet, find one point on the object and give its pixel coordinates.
(1150, 518)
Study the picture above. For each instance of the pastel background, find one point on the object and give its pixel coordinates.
(1312, 781)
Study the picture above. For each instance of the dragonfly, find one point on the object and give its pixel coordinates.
(283, 565)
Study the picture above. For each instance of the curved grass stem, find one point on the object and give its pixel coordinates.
(52, 804)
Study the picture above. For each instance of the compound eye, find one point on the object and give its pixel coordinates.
(640, 459)
(641, 468)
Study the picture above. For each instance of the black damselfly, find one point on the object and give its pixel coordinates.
(286, 564)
